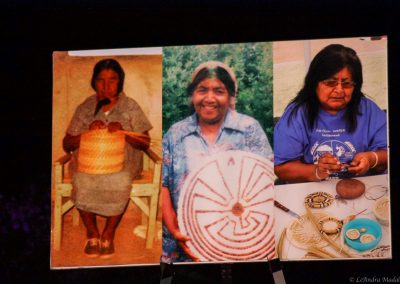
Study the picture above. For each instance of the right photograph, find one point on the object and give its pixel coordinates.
(331, 149)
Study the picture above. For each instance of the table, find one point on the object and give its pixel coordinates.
(292, 196)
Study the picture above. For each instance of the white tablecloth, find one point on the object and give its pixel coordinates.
(292, 196)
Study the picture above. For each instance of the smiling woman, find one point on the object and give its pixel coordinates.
(330, 129)
(212, 92)
(214, 127)
(211, 101)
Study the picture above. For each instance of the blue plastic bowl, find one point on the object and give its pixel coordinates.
(372, 227)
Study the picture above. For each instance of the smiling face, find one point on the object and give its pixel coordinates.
(106, 84)
(335, 92)
(211, 101)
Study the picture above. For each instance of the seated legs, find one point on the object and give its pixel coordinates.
(95, 245)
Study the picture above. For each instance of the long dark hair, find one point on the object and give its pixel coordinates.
(325, 64)
(105, 64)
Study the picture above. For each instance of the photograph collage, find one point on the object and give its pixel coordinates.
(221, 153)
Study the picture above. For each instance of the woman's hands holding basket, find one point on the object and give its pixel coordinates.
(112, 126)
(97, 124)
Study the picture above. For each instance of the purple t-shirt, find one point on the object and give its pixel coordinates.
(296, 141)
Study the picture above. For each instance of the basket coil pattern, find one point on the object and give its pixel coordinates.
(101, 152)
(226, 208)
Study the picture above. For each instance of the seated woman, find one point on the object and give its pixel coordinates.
(330, 129)
(105, 195)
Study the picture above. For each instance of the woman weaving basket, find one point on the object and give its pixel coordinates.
(331, 129)
(106, 193)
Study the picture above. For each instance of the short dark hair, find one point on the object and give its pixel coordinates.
(329, 61)
(217, 72)
(105, 64)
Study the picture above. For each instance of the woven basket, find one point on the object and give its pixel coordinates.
(101, 152)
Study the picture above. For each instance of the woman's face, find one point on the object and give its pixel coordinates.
(106, 84)
(211, 101)
(335, 93)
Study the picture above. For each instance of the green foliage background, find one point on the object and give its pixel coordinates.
(252, 64)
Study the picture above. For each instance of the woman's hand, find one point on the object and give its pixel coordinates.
(114, 126)
(171, 222)
(97, 124)
(71, 143)
(141, 143)
(326, 165)
(361, 163)
(182, 239)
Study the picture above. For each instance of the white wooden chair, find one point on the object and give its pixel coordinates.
(147, 187)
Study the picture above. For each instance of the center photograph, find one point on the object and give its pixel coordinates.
(217, 170)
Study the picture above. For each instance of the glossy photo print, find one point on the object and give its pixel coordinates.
(217, 175)
(331, 149)
(106, 158)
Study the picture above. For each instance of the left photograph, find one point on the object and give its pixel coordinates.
(106, 154)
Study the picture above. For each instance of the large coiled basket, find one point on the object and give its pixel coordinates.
(101, 152)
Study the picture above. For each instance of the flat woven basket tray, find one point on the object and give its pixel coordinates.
(302, 234)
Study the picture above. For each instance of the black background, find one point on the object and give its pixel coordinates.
(31, 30)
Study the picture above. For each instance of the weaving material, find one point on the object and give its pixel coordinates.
(381, 210)
(302, 234)
(101, 152)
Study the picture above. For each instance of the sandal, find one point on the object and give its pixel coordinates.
(106, 249)
(92, 247)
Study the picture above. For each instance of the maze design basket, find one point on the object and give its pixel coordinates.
(226, 207)
(101, 152)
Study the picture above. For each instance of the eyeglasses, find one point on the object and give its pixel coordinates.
(332, 83)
